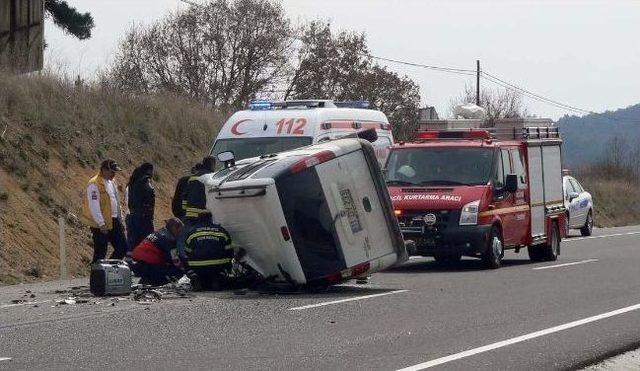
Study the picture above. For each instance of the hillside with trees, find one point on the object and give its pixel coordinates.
(602, 136)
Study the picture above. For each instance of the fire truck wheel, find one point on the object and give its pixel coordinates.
(495, 250)
(547, 252)
(587, 229)
(551, 250)
(447, 258)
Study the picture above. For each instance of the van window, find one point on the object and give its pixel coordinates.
(518, 167)
(254, 147)
(310, 223)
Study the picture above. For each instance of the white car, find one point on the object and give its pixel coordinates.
(579, 205)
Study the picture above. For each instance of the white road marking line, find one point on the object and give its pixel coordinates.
(25, 303)
(5, 359)
(520, 339)
(347, 300)
(565, 264)
(603, 236)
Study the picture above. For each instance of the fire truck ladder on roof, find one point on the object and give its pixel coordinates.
(498, 129)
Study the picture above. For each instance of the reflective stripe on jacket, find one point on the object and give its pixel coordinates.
(196, 198)
(206, 244)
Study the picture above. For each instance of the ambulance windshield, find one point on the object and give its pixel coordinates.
(439, 166)
(254, 147)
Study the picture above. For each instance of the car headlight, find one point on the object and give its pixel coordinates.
(469, 215)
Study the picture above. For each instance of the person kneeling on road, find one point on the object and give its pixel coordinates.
(208, 252)
(156, 259)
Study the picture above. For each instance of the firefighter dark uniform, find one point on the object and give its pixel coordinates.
(195, 193)
(208, 252)
(195, 197)
(179, 202)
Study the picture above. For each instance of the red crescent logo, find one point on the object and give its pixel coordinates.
(234, 128)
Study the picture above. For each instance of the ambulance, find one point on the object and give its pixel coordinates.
(271, 127)
(314, 216)
(473, 187)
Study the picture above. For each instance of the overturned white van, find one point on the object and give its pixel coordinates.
(316, 215)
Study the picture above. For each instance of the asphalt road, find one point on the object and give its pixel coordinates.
(582, 308)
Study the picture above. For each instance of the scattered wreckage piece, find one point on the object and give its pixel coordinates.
(315, 216)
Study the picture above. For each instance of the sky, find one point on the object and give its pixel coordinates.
(582, 53)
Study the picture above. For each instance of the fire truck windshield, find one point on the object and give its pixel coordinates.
(439, 166)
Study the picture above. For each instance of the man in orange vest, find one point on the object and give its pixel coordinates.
(102, 213)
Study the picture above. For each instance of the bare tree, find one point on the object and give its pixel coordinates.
(338, 66)
(221, 53)
(498, 103)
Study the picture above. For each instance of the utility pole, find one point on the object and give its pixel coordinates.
(477, 82)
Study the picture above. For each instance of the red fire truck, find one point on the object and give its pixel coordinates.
(478, 187)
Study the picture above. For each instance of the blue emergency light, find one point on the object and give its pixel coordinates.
(259, 105)
(352, 104)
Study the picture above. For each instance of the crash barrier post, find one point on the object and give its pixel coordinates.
(63, 250)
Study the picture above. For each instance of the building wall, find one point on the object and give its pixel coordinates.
(21, 35)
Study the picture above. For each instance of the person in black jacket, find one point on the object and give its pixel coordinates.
(179, 201)
(141, 200)
(195, 195)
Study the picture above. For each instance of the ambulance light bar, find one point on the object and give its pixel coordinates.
(260, 105)
(453, 134)
(352, 104)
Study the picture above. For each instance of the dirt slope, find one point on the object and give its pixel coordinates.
(54, 135)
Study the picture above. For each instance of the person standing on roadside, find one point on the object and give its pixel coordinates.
(102, 212)
(141, 201)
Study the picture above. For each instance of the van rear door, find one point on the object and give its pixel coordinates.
(356, 206)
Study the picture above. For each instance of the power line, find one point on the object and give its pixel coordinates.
(527, 94)
(426, 66)
(508, 85)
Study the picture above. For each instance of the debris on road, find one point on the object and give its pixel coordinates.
(147, 295)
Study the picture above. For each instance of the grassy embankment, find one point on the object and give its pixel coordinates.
(615, 194)
(54, 135)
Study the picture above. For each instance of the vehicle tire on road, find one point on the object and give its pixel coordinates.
(547, 251)
(495, 250)
(587, 228)
(447, 258)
